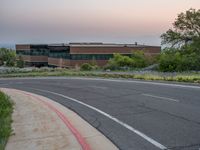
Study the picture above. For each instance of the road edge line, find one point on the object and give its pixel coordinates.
(144, 136)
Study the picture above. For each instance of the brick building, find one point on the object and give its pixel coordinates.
(72, 54)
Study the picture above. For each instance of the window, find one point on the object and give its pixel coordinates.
(91, 56)
(39, 52)
(23, 52)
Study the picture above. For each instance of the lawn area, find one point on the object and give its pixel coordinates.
(6, 109)
(192, 77)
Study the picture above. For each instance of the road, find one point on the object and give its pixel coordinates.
(134, 115)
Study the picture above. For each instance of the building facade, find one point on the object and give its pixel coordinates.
(75, 54)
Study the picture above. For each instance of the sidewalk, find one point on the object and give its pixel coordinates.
(42, 124)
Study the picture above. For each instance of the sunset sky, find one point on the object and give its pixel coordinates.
(62, 21)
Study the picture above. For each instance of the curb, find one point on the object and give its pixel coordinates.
(84, 134)
(75, 132)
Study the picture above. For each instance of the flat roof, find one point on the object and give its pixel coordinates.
(107, 45)
(88, 45)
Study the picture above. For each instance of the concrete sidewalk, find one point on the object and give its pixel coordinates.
(42, 124)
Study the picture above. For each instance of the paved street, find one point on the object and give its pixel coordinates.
(134, 115)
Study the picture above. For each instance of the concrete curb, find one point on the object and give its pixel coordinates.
(84, 136)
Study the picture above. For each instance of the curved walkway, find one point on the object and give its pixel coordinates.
(40, 123)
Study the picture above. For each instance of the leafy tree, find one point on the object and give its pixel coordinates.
(7, 57)
(186, 29)
(184, 55)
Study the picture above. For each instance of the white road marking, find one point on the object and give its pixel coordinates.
(152, 141)
(159, 97)
(99, 87)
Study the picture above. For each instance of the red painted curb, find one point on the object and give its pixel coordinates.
(75, 132)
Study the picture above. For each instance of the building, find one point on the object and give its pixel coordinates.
(73, 54)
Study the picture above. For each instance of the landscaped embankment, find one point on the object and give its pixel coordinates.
(6, 109)
(191, 77)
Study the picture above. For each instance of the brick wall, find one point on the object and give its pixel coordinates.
(22, 47)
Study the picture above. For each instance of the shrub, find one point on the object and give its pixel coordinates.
(118, 62)
(168, 62)
(111, 65)
(137, 60)
(6, 109)
(86, 67)
(179, 60)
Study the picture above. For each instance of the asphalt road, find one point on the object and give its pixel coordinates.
(134, 115)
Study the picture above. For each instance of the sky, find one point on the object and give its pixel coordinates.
(109, 21)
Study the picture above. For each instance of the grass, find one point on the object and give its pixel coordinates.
(6, 109)
(178, 77)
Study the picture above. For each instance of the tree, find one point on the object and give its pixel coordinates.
(7, 57)
(186, 29)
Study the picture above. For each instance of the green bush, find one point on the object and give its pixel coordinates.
(168, 62)
(172, 60)
(137, 60)
(86, 67)
(6, 108)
